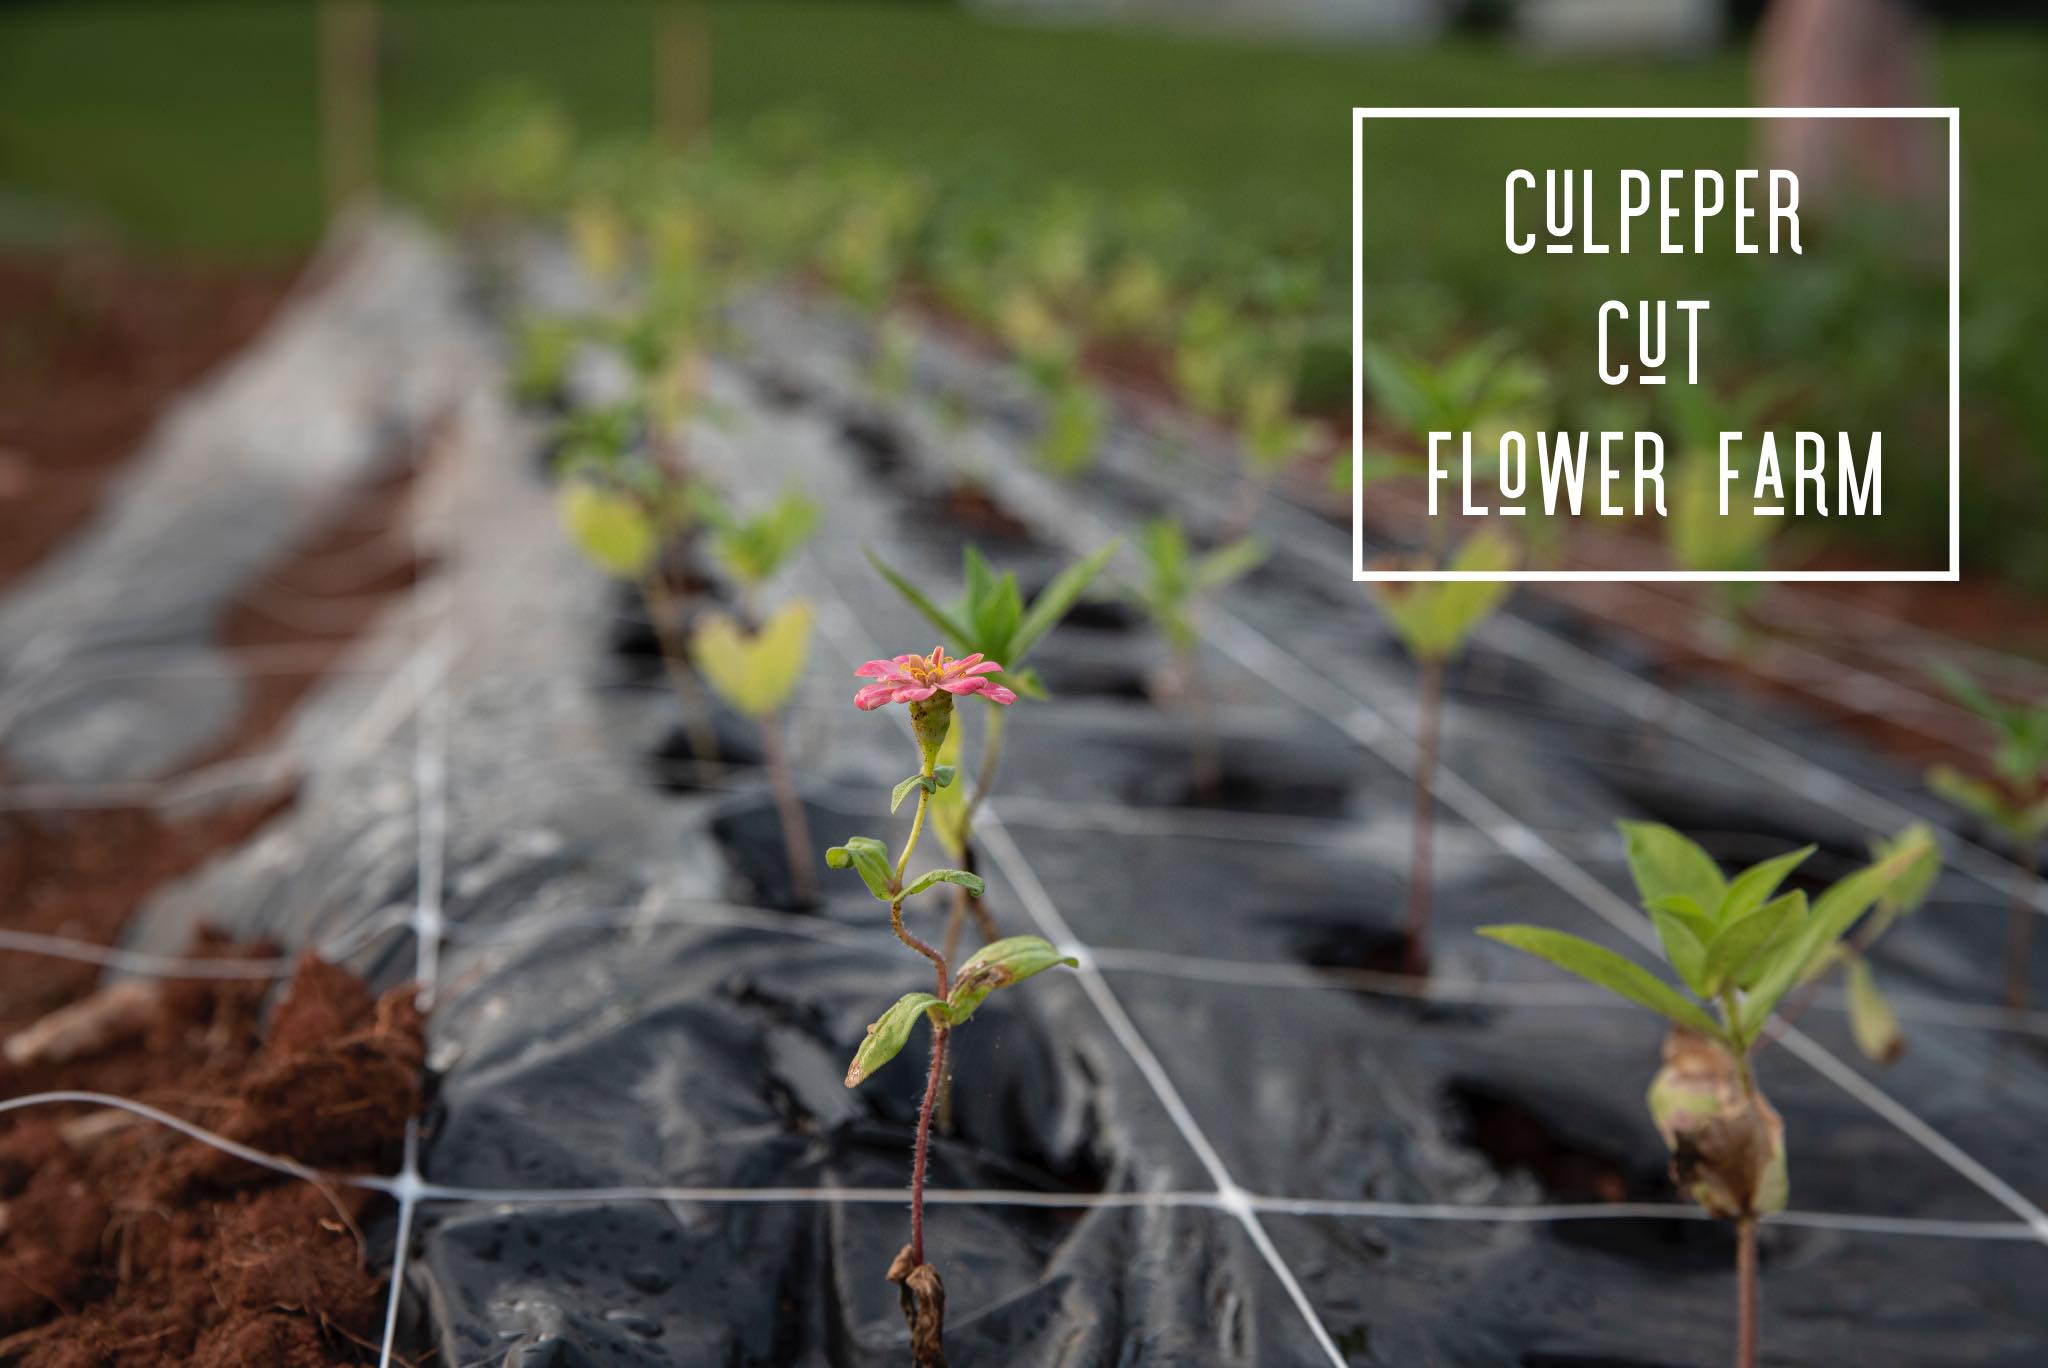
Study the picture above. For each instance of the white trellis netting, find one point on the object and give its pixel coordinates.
(462, 745)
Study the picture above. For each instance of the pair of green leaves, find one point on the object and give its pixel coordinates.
(1074, 416)
(1480, 382)
(2014, 802)
(1434, 618)
(942, 776)
(996, 965)
(870, 859)
(754, 671)
(1732, 940)
(991, 618)
(1175, 575)
(752, 548)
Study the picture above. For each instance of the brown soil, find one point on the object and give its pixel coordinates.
(120, 1241)
(126, 1243)
(92, 348)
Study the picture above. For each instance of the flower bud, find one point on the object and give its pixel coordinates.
(930, 719)
(1727, 1143)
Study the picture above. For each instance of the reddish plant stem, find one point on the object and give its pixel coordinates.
(1745, 1292)
(1421, 871)
(789, 804)
(2019, 936)
(919, 1162)
(675, 658)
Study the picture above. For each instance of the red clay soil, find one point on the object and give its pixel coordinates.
(122, 1242)
(92, 348)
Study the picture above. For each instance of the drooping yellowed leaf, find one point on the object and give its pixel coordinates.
(754, 672)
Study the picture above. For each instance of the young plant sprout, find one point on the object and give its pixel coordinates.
(1739, 946)
(1270, 435)
(990, 620)
(752, 549)
(625, 509)
(1483, 389)
(540, 365)
(1434, 619)
(1176, 580)
(2012, 800)
(1697, 534)
(755, 671)
(929, 684)
(1049, 355)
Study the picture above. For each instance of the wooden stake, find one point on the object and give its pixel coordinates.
(348, 102)
(682, 75)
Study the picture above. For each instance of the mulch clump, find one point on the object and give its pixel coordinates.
(123, 1242)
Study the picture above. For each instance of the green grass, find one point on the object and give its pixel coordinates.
(193, 126)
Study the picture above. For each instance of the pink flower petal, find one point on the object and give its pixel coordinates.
(874, 696)
(914, 693)
(986, 667)
(876, 669)
(996, 693)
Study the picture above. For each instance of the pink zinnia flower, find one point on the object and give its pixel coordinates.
(914, 678)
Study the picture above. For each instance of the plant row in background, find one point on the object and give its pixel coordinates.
(668, 248)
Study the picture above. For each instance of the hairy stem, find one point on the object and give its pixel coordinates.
(950, 949)
(1421, 870)
(789, 804)
(675, 659)
(920, 1159)
(1745, 1292)
(2019, 936)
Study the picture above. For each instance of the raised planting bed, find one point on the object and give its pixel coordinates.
(1233, 1131)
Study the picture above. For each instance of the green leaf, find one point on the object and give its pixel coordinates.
(1739, 941)
(888, 1034)
(998, 965)
(940, 777)
(1753, 887)
(971, 882)
(1684, 940)
(1228, 563)
(1597, 964)
(755, 672)
(1434, 618)
(1834, 912)
(871, 859)
(1979, 797)
(1664, 862)
(610, 528)
(1055, 601)
(1871, 1019)
(916, 599)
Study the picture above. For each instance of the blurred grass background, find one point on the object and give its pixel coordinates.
(193, 128)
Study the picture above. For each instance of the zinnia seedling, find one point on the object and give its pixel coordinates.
(928, 685)
(1434, 619)
(1738, 945)
(991, 620)
(1175, 582)
(2013, 800)
(625, 509)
